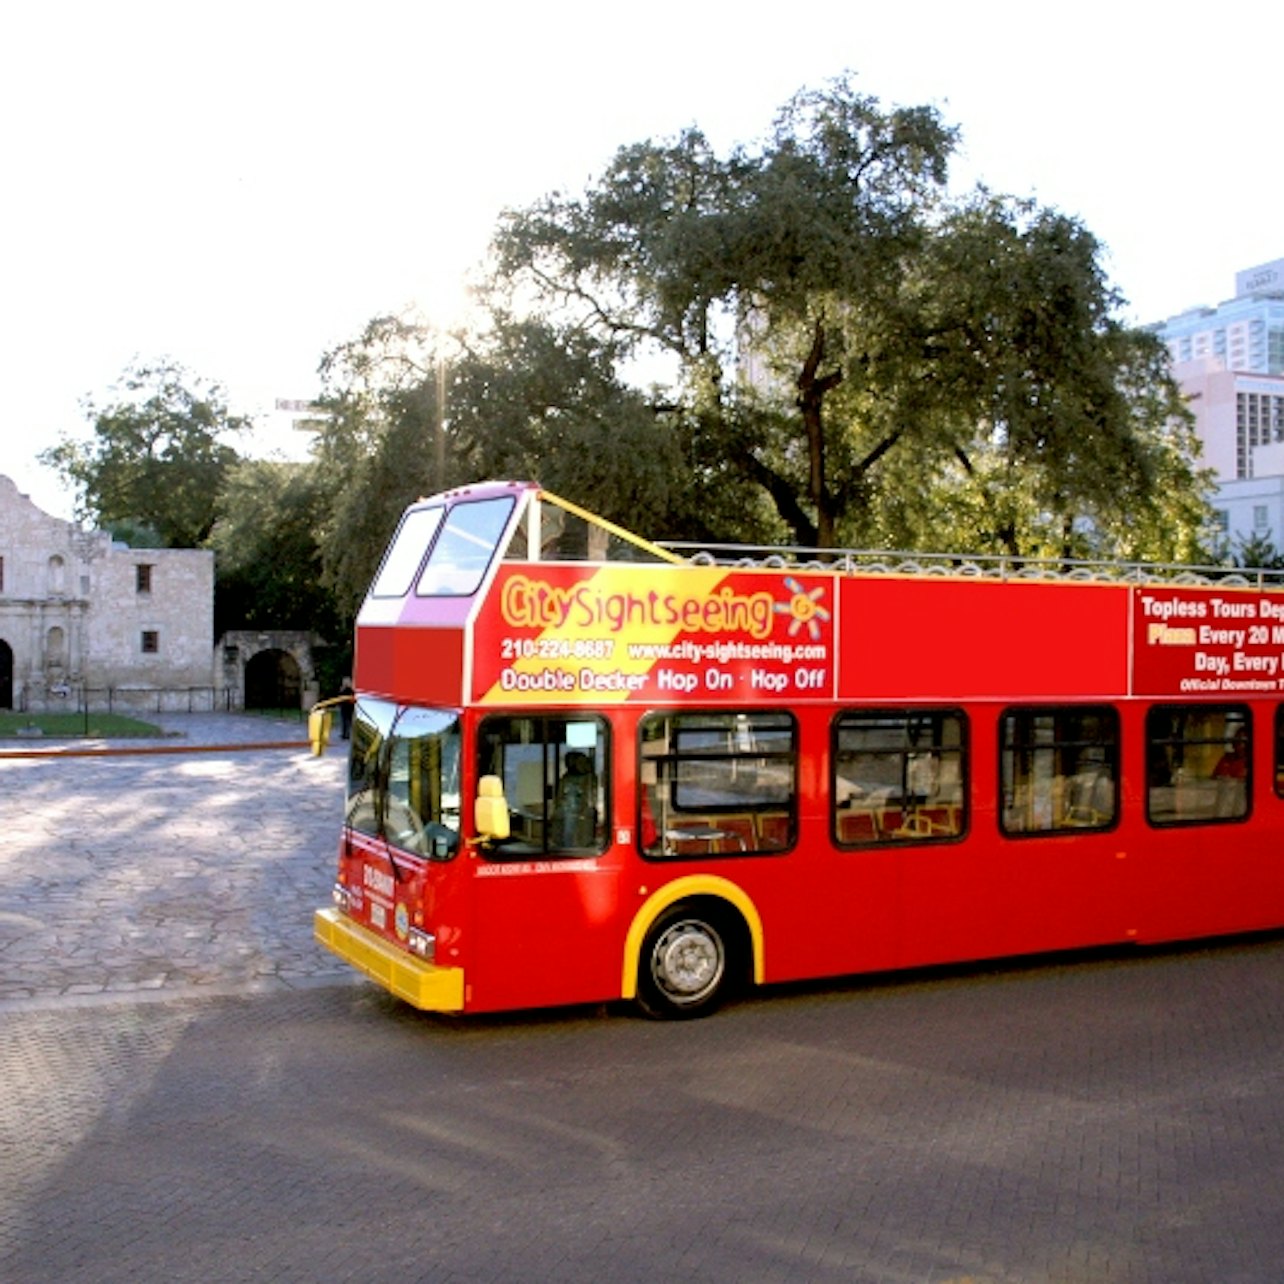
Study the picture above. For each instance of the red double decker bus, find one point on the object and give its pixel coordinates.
(585, 767)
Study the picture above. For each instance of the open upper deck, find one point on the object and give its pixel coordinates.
(504, 594)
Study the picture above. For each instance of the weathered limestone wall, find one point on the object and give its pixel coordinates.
(76, 619)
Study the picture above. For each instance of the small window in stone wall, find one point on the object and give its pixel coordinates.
(144, 577)
(151, 641)
(1, 574)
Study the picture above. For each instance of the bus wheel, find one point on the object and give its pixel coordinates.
(684, 970)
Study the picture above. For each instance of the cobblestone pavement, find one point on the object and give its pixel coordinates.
(160, 865)
(192, 1090)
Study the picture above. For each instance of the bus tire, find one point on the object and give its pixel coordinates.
(688, 963)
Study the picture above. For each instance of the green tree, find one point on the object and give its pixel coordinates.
(530, 401)
(842, 335)
(1045, 424)
(157, 456)
(771, 253)
(1257, 552)
(380, 444)
(267, 556)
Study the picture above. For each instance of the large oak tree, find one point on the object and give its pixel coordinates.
(843, 337)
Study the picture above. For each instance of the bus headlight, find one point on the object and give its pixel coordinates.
(423, 944)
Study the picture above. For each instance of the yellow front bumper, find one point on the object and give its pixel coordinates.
(423, 985)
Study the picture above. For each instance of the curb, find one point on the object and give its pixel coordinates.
(114, 750)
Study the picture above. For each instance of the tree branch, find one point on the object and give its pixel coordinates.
(878, 452)
(783, 496)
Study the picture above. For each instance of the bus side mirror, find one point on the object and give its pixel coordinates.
(490, 812)
(319, 722)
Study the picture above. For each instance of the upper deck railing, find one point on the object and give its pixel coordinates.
(859, 561)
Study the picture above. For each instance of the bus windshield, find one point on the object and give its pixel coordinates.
(464, 548)
(403, 777)
(402, 560)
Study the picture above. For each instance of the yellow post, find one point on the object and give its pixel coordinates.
(319, 723)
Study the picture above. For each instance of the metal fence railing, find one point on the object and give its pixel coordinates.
(131, 700)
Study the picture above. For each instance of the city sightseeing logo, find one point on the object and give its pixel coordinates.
(804, 609)
(530, 603)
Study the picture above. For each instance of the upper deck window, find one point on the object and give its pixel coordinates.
(464, 548)
(408, 547)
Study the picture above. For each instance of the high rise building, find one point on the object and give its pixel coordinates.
(1229, 360)
(1245, 334)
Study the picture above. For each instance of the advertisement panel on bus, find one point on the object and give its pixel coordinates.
(1207, 642)
(621, 633)
(617, 633)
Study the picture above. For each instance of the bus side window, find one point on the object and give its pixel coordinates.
(898, 775)
(1059, 768)
(717, 784)
(1279, 750)
(1199, 763)
(554, 772)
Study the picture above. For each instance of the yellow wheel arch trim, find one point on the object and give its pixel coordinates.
(683, 889)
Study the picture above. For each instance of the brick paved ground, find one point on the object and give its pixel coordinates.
(143, 871)
(1106, 1120)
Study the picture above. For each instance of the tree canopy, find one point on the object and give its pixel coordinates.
(840, 326)
(379, 445)
(267, 557)
(157, 457)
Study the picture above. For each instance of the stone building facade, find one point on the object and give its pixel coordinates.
(88, 623)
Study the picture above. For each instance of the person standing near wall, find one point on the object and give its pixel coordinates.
(345, 709)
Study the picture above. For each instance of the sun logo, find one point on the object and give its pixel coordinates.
(804, 607)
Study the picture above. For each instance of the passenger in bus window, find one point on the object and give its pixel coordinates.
(573, 806)
(1231, 774)
(1233, 764)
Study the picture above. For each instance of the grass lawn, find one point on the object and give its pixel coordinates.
(95, 725)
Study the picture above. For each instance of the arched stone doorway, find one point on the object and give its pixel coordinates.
(283, 667)
(6, 675)
(273, 680)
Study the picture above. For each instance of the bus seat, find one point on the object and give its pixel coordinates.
(857, 827)
(1089, 799)
(490, 811)
(773, 830)
(738, 833)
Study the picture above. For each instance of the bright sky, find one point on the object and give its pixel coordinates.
(241, 186)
